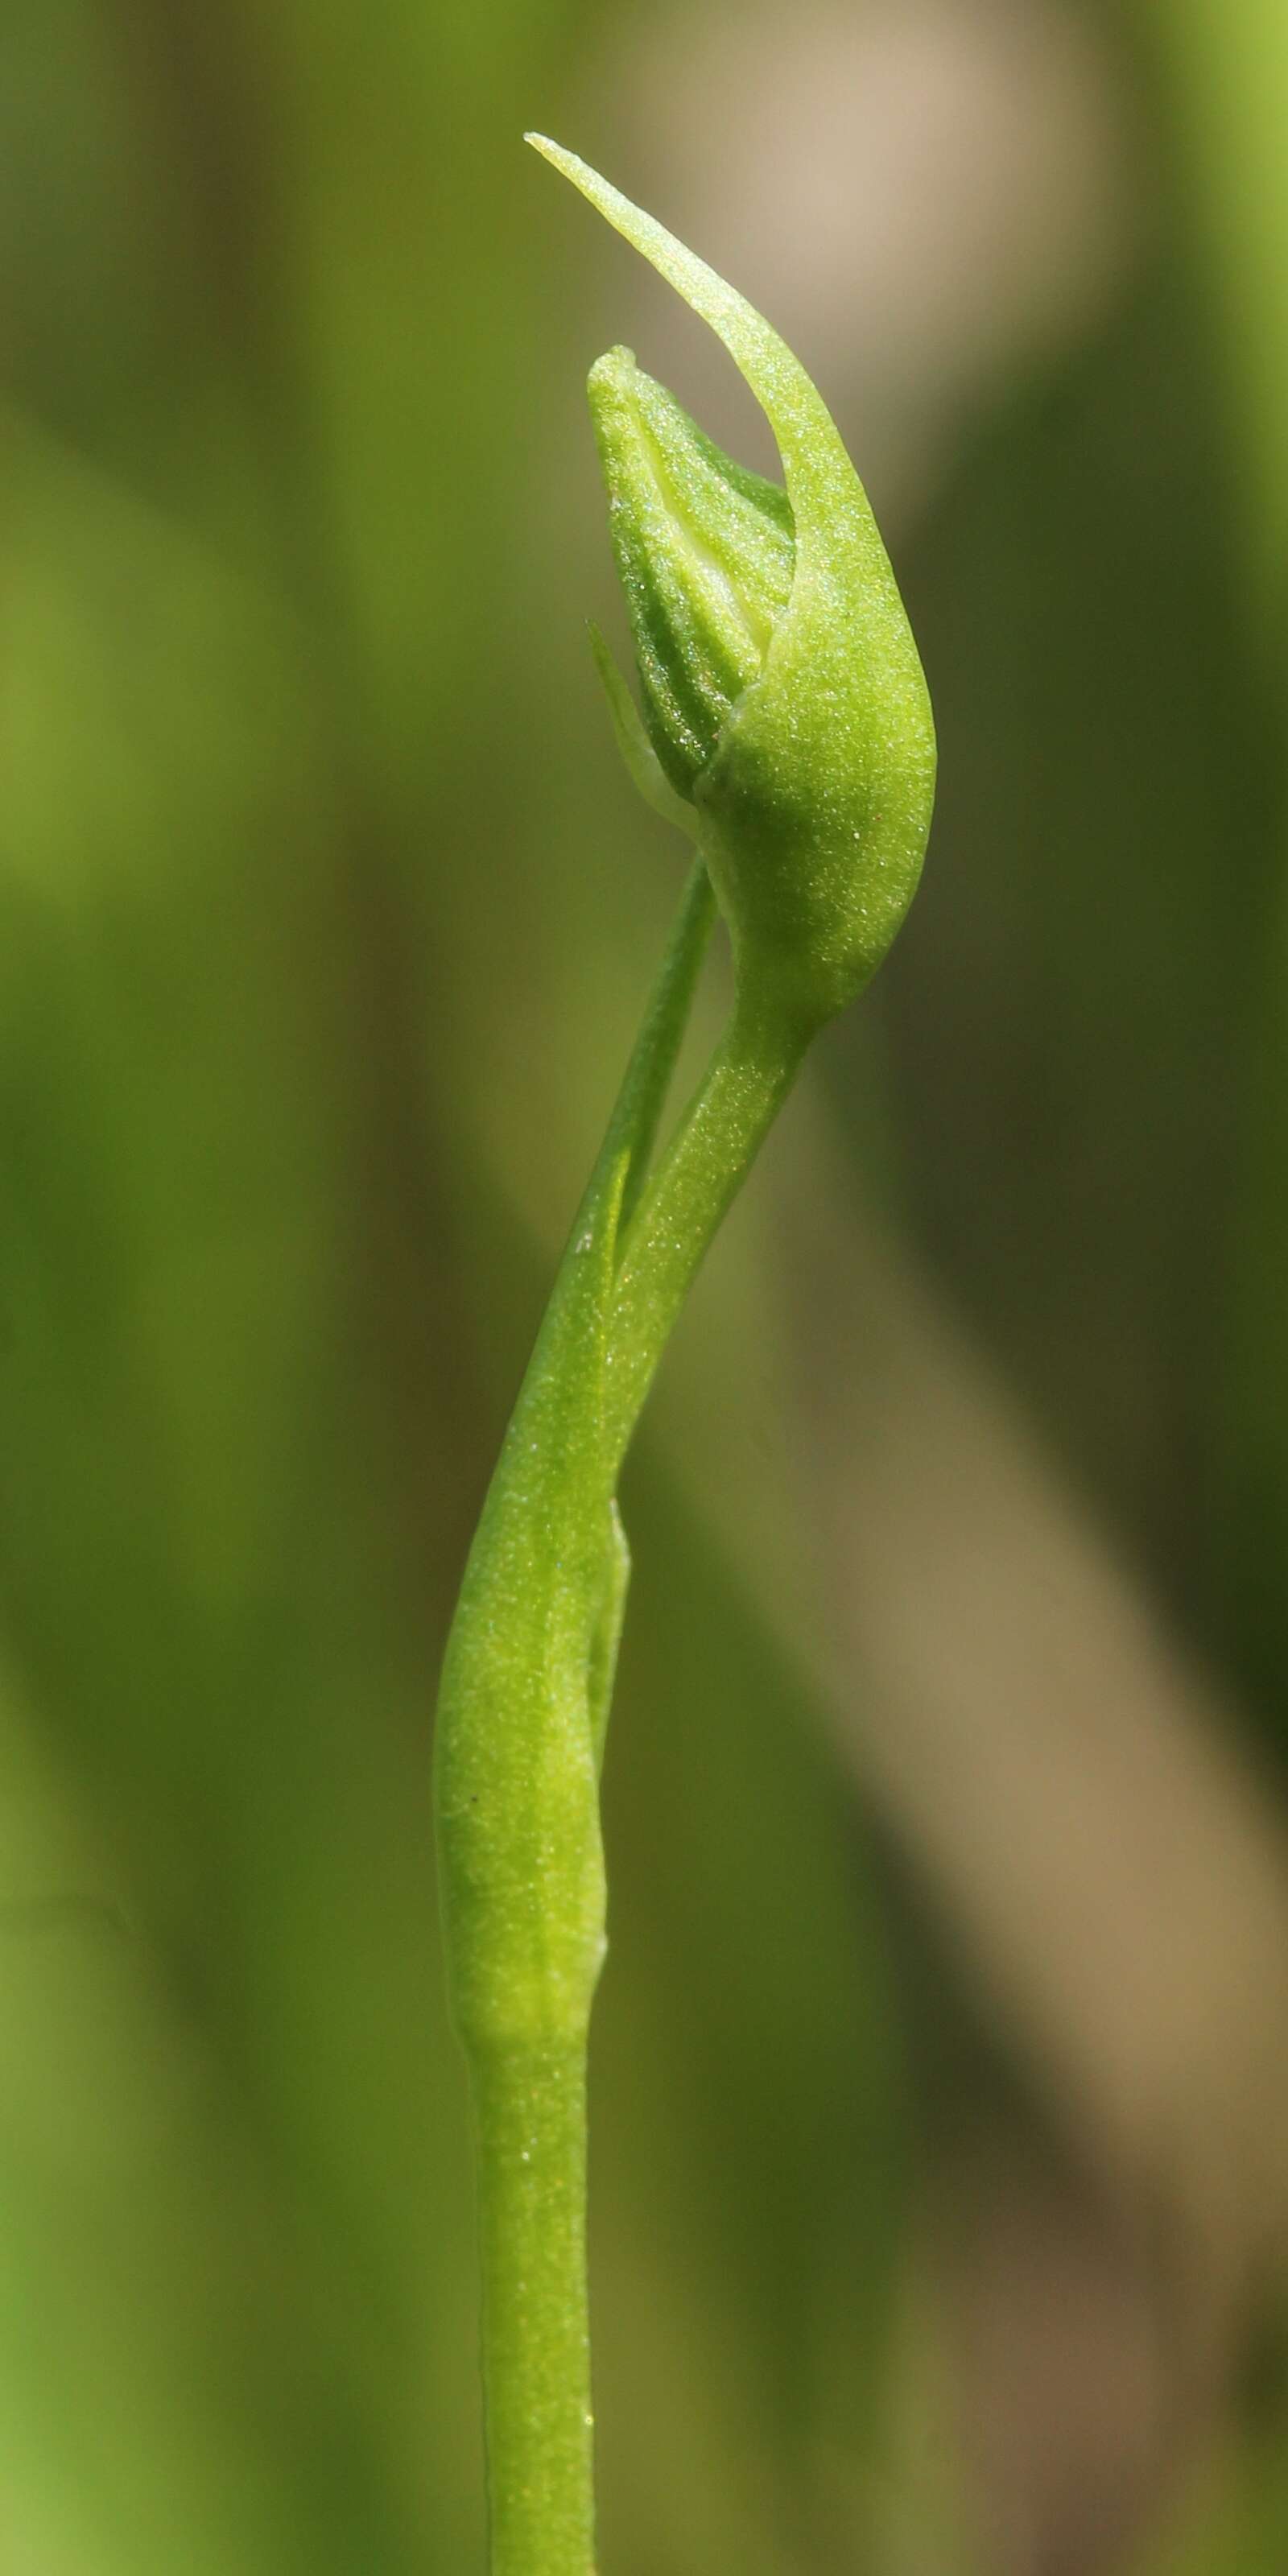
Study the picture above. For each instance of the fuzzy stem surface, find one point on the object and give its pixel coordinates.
(684, 1203)
(530, 2139)
(519, 1737)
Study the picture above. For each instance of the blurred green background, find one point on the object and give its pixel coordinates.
(940, 2185)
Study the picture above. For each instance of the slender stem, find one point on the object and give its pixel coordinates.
(530, 2130)
(527, 1673)
(642, 1097)
(745, 1085)
(526, 1681)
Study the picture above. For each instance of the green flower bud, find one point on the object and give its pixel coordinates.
(705, 552)
(783, 695)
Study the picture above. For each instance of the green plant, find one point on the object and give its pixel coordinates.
(786, 727)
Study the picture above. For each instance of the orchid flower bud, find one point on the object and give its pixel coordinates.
(705, 553)
(783, 695)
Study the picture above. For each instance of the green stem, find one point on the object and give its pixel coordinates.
(745, 1085)
(640, 1101)
(526, 1682)
(520, 1723)
(530, 2131)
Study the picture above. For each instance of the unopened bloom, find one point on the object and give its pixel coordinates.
(783, 695)
(705, 553)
